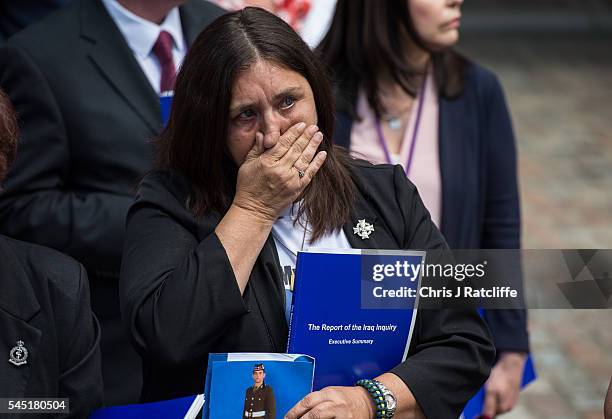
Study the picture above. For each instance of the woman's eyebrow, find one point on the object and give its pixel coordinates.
(240, 107)
(294, 90)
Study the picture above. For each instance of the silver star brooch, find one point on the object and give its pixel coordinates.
(363, 229)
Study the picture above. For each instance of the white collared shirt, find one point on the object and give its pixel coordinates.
(141, 34)
(290, 238)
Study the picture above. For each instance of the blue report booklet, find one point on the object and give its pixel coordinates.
(354, 311)
(255, 385)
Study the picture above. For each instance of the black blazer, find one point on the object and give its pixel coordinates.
(87, 113)
(480, 200)
(16, 15)
(181, 301)
(44, 302)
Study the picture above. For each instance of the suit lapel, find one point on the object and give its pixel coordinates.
(18, 305)
(15, 378)
(114, 59)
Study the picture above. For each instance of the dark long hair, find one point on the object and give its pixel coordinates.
(195, 139)
(8, 135)
(364, 43)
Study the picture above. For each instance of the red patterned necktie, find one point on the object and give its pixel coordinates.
(163, 51)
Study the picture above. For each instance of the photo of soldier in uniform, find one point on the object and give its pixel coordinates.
(255, 385)
(259, 400)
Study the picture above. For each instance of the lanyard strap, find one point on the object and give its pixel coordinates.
(381, 136)
(282, 242)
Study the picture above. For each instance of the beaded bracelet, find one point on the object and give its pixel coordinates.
(379, 400)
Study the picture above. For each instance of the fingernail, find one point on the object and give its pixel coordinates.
(312, 129)
(301, 125)
(318, 136)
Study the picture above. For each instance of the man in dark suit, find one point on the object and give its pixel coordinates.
(47, 331)
(16, 15)
(88, 103)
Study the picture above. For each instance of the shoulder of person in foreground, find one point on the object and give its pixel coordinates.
(386, 189)
(165, 189)
(61, 289)
(374, 175)
(53, 269)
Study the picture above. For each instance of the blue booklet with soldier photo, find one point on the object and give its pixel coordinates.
(354, 311)
(255, 385)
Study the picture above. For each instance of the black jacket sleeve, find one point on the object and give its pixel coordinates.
(451, 353)
(41, 203)
(80, 377)
(169, 277)
(502, 221)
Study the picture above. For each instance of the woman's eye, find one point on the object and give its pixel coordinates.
(246, 114)
(288, 102)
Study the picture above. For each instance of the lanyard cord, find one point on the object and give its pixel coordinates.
(286, 246)
(381, 136)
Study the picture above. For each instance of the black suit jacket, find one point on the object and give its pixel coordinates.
(87, 113)
(181, 301)
(480, 199)
(44, 302)
(16, 15)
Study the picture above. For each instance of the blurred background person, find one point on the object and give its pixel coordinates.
(309, 18)
(48, 333)
(16, 15)
(405, 97)
(317, 21)
(86, 82)
(553, 61)
(291, 11)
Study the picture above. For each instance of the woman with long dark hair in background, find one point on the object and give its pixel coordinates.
(406, 97)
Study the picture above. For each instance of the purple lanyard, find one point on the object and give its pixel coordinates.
(381, 136)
